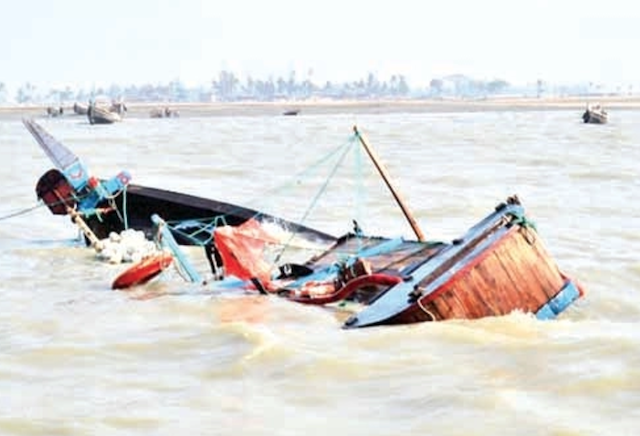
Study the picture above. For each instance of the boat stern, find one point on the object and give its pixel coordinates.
(499, 266)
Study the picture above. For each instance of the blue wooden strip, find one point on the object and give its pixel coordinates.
(77, 175)
(382, 248)
(545, 313)
(563, 299)
(104, 190)
(169, 242)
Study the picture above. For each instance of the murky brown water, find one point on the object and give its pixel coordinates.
(80, 359)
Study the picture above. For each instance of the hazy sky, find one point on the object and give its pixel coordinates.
(81, 43)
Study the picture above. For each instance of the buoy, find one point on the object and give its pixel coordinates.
(93, 182)
(143, 271)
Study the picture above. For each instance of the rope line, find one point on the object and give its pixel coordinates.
(291, 182)
(22, 212)
(425, 310)
(209, 224)
(522, 220)
(315, 199)
(124, 207)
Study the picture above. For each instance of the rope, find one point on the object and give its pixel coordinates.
(323, 188)
(335, 158)
(210, 223)
(314, 166)
(124, 207)
(40, 204)
(425, 310)
(22, 212)
(190, 237)
(359, 194)
(522, 220)
(315, 199)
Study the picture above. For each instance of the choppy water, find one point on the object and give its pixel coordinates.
(80, 359)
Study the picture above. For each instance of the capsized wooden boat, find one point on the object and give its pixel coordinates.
(500, 265)
(595, 115)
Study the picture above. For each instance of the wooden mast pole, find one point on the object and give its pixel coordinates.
(385, 176)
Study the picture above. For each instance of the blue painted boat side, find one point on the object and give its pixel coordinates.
(563, 299)
(77, 175)
(104, 190)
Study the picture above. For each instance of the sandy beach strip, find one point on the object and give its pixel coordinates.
(328, 106)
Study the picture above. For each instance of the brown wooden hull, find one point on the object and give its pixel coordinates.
(515, 273)
(99, 115)
(595, 117)
(500, 266)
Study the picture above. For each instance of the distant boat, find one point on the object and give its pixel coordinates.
(118, 107)
(165, 112)
(101, 115)
(54, 112)
(291, 112)
(595, 115)
(80, 109)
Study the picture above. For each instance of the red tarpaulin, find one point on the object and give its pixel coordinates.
(242, 250)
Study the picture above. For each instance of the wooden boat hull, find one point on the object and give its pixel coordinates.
(197, 216)
(114, 205)
(595, 117)
(498, 267)
(54, 111)
(100, 115)
(80, 109)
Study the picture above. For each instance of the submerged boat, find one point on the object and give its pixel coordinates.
(498, 266)
(595, 115)
(113, 205)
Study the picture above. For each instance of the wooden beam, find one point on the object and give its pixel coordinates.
(385, 176)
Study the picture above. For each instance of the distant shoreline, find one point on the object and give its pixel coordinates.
(324, 106)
